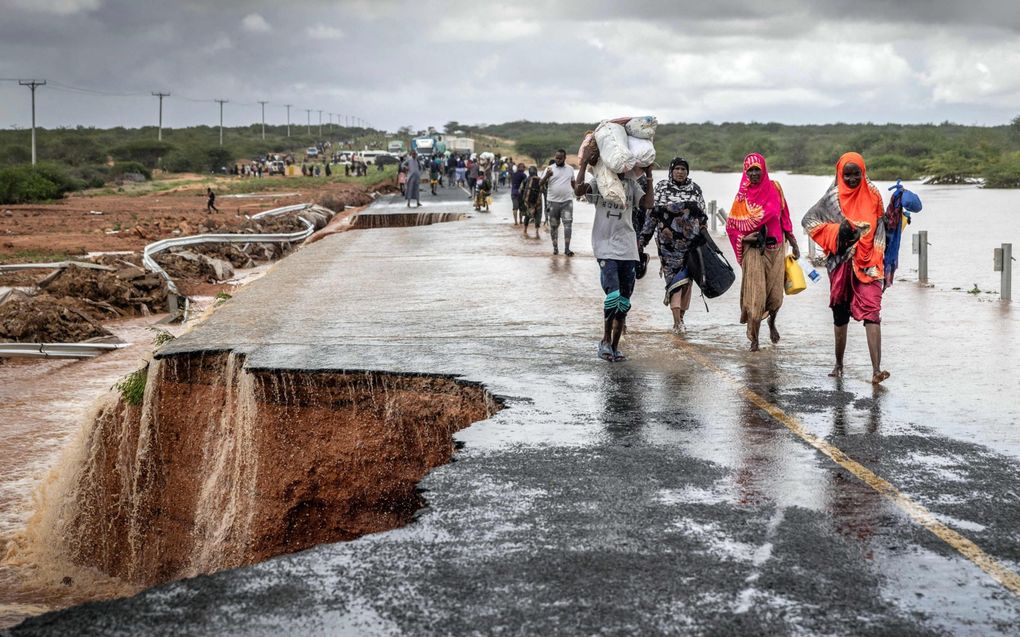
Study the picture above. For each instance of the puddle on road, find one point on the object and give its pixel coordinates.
(220, 467)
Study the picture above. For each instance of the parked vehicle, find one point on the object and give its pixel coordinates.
(277, 167)
(311, 151)
(424, 145)
(460, 145)
(369, 156)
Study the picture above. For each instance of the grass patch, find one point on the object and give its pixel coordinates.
(32, 255)
(274, 183)
(162, 337)
(132, 386)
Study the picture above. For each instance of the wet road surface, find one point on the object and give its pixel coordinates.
(695, 488)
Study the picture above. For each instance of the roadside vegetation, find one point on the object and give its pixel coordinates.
(74, 159)
(121, 160)
(943, 153)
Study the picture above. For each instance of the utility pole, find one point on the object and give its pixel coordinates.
(288, 118)
(308, 122)
(221, 103)
(263, 119)
(33, 84)
(160, 95)
(331, 123)
(320, 123)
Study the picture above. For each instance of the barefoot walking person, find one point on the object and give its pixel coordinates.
(613, 241)
(531, 200)
(676, 219)
(516, 185)
(847, 222)
(758, 222)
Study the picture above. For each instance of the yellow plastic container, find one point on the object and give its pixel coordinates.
(794, 276)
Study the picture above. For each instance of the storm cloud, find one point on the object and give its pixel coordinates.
(424, 63)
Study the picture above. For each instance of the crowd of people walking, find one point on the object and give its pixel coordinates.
(849, 222)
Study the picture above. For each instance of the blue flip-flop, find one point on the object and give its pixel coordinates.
(606, 352)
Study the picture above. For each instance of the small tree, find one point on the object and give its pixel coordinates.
(541, 148)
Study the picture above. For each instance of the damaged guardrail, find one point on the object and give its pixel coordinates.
(57, 265)
(179, 242)
(57, 350)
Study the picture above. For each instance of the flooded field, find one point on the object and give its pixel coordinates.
(964, 224)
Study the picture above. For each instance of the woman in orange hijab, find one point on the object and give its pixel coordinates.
(847, 222)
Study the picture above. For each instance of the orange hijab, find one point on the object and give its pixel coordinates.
(863, 207)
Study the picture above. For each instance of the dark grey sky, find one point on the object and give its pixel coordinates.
(427, 62)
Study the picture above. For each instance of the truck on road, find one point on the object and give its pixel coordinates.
(423, 145)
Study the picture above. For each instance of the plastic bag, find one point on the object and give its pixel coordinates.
(612, 141)
(610, 186)
(643, 151)
(641, 127)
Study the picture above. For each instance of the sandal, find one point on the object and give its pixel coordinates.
(618, 356)
(605, 352)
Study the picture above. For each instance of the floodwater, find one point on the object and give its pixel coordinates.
(953, 358)
(43, 403)
(964, 223)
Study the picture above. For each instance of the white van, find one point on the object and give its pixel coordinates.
(368, 156)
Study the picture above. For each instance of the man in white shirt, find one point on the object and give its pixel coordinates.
(558, 181)
(615, 246)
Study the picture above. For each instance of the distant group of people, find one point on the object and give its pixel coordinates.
(849, 223)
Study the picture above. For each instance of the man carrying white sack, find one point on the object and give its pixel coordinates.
(559, 181)
(615, 247)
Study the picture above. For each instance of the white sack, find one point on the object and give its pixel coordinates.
(609, 184)
(643, 151)
(612, 141)
(642, 127)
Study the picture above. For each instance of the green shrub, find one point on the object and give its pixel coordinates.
(94, 176)
(143, 151)
(1003, 173)
(27, 183)
(123, 167)
(181, 162)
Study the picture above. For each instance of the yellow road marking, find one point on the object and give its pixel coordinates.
(998, 571)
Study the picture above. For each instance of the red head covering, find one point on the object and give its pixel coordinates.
(754, 206)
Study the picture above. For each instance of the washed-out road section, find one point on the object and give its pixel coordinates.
(655, 494)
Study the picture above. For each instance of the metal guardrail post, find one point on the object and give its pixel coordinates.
(921, 250)
(711, 214)
(1004, 264)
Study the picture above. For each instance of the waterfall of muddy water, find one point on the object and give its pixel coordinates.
(403, 219)
(222, 467)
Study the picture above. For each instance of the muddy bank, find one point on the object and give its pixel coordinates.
(66, 305)
(85, 223)
(220, 467)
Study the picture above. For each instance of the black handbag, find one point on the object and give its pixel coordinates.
(708, 267)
